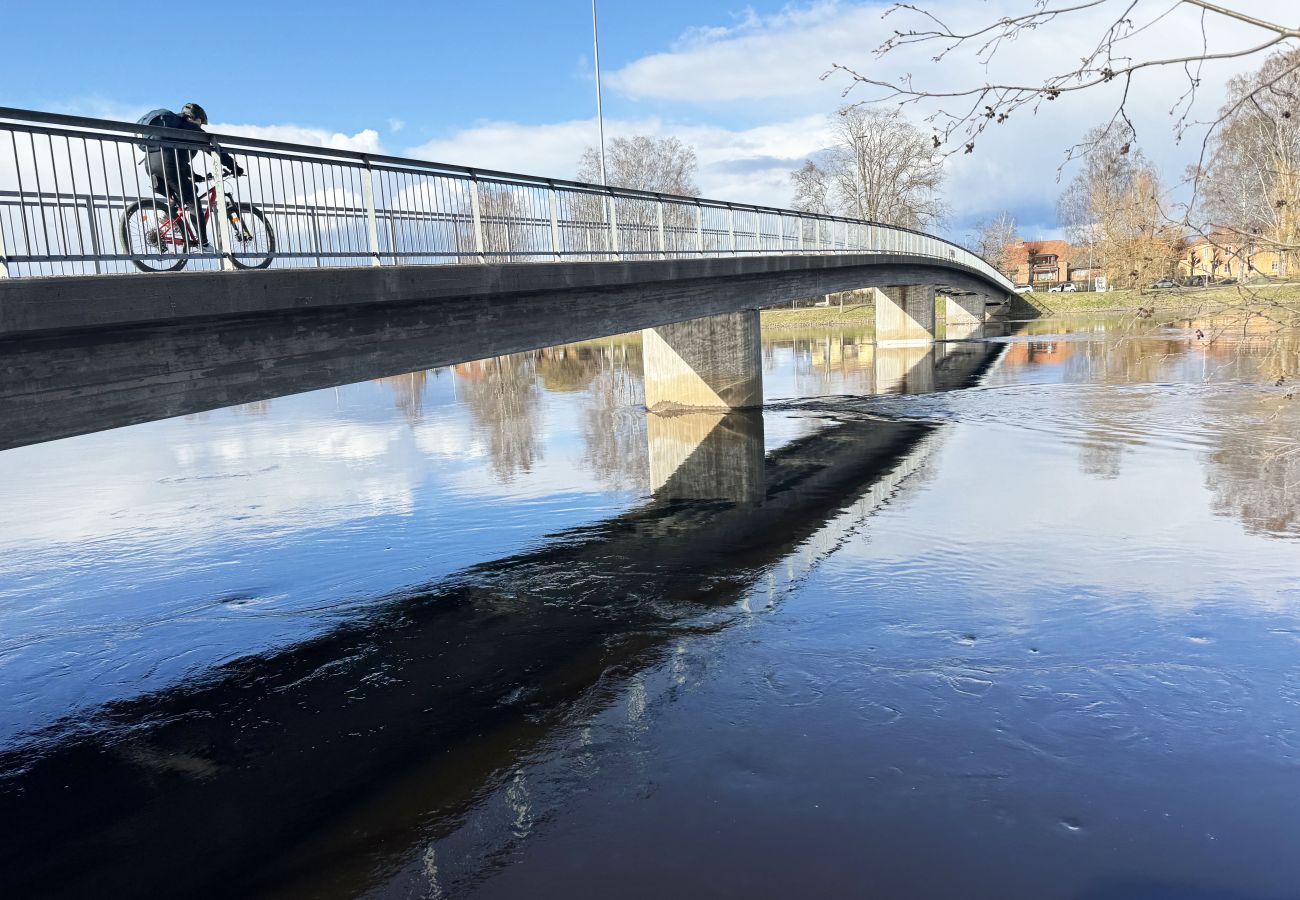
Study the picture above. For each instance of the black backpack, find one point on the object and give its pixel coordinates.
(154, 117)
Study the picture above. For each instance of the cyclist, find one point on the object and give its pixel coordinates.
(170, 166)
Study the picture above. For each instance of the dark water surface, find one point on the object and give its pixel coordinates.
(1015, 617)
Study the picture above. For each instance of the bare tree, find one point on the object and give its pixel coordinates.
(1105, 33)
(506, 234)
(505, 403)
(1253, 186)
(993, 238)
(1114, 205)
(659, 165)
(1107, 55)
(880, 167)
(812, 189)
(656, 165)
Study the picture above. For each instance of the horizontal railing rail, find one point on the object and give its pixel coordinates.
(66, 183)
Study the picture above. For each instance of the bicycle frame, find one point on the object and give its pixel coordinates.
(186, 235)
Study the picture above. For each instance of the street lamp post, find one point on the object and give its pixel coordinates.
(600, 116)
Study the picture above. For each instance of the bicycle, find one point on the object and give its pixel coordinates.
(154, 227)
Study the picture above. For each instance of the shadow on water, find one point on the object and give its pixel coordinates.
(319, 767)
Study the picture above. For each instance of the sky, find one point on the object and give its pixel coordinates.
(510, 85)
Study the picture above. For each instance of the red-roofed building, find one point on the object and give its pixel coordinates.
(1040, 263)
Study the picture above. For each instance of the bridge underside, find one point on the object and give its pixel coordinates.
(87, 353)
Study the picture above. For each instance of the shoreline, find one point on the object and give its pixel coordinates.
(1177, 303)
(1235, 297)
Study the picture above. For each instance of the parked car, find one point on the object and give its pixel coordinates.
(1024, 289)
(1164, 283)
(1063, 287)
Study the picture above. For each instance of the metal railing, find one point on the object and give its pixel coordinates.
(65, 182)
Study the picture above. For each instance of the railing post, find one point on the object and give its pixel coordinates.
(731, 227)
(613, 226)
(476, 211)
(372, 220)
(223, 214)
(818, 237)
(4, 254)
(799, 244)
(758, 232)
(315, 236)
(94, 234)
(663, 245)
(699, 226)
(554, 201)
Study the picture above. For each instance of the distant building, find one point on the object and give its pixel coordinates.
(1039, 263)
(1229, 254)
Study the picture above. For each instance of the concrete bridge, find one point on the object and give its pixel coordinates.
(416, 264)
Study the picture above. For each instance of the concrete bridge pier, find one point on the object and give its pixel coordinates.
(704, 393)
(713, 363)
(905, 315)
(965, 309)
(964, 316)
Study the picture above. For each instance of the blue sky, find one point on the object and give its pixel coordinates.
(434, 65)
(509, 84)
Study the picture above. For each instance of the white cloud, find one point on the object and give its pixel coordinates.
(365, 141)
(551, 149)
(764, 63)
(749, 165)
(748, 95)
(760, 58)
(100, 108)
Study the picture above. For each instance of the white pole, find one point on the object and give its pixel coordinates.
(600, 116)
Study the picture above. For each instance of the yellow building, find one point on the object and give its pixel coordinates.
(1227, 254)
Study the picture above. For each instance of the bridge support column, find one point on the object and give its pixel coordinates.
(965, 309)
(964, 317)
(710, 363)
(905, 315)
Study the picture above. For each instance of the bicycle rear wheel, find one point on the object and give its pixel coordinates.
(249, 236)
(147, 230)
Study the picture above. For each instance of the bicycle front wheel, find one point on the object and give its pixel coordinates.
(250, 238)
(148, 229)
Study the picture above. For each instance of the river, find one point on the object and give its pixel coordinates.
(1013, 617)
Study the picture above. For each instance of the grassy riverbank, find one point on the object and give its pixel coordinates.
(818, 316)
(1235, 297)
(1200, 301)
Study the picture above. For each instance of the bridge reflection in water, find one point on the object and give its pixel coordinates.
(328, 764)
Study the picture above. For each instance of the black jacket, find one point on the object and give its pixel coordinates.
(165, 118)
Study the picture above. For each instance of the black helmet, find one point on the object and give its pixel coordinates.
(194, 113)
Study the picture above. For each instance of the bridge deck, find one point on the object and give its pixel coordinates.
(80, 354)
(565, 301)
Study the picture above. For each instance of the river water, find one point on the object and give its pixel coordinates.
(1014, 617)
